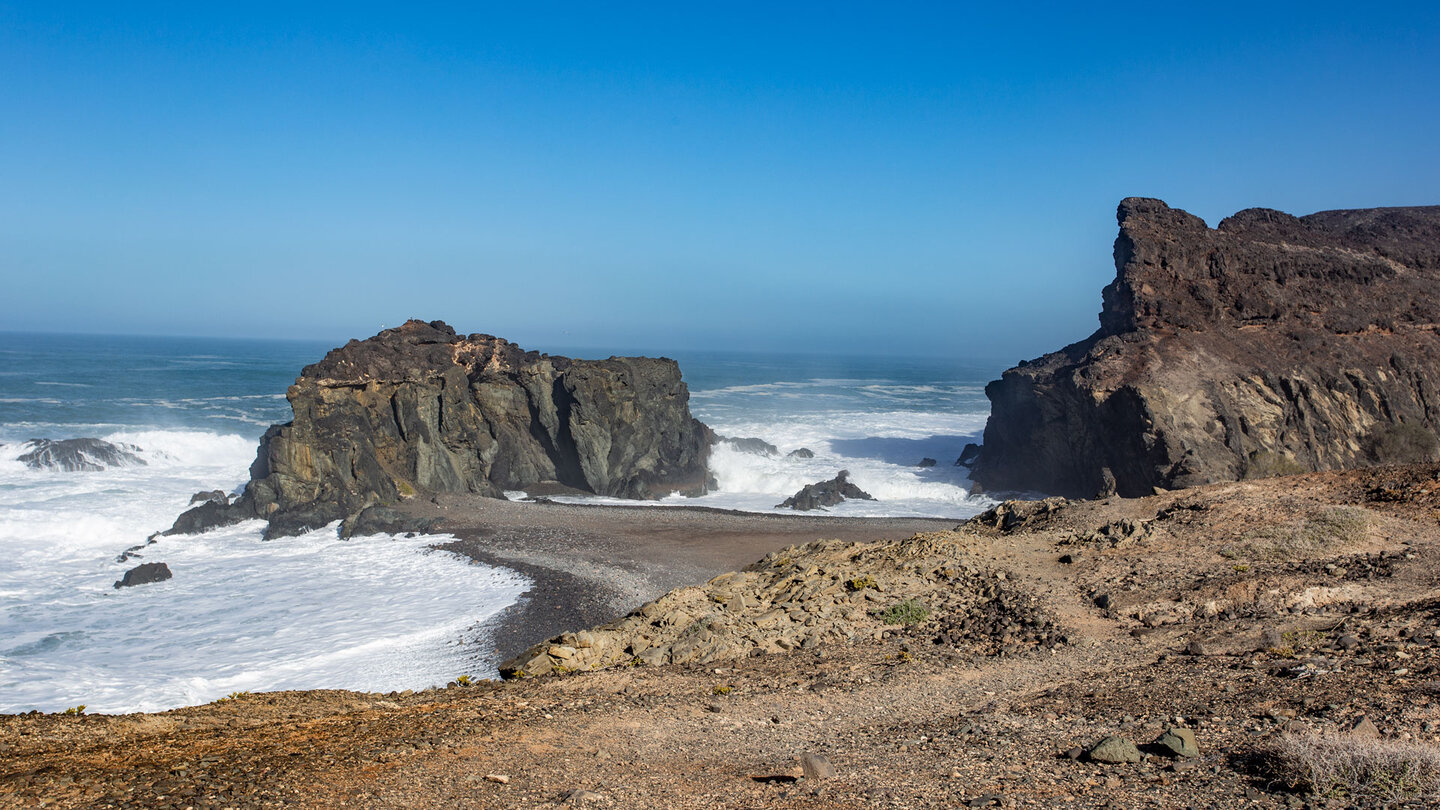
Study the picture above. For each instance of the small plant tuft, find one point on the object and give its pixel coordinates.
(464, 680)
(723, 689)
(1323, 530)
(76, 710)
(1363, 772)
(911, 611)
(233, 696)
(861, 583)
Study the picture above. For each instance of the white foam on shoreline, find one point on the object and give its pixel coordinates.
(373, 613)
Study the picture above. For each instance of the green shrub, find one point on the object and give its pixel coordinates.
(911, 611)
(76, 709)
(723, 690)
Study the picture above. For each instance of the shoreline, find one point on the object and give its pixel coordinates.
(593, 563)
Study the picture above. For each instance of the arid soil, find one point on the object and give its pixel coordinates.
(1240, 611)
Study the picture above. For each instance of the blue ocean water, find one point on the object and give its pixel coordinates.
(375, 613)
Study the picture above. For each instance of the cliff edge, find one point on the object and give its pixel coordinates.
(1271, 344)
(419, 409)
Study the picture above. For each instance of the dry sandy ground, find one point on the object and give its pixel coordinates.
(1298, 629)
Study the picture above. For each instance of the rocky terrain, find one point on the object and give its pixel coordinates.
(1268, 345)
(1186, 649)
(418, 410)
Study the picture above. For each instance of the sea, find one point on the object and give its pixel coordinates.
(375, 613)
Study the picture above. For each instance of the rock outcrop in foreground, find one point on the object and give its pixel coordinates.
(419, 409)
(1269, 345)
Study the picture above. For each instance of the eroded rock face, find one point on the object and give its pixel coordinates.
(1271, 344)
(419, 409)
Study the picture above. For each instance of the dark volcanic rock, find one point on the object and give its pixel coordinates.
(968, 456)
(825, 493)
(758, 447)
(419, 409)
(803, 452)
(383, 520)
(144, 574)
(72, 455)
(1272, 344)
(212, 496)
(926, 462)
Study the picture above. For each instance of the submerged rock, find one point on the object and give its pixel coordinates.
(825, 493)
(1269, 345)
(751, 445)
(79, 455)
(144, 574)
(418, 410)
(803, 452)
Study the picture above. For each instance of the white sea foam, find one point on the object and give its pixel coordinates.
(881, 449)
(373, 613)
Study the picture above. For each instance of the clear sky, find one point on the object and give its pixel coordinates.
(884, 177)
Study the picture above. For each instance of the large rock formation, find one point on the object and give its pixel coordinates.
(418, 409)
(1270, 344)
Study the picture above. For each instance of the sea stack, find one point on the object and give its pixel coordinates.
(419, 409)
(1268, 345)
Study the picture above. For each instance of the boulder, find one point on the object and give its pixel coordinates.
(1269, 345)
(825, 493)
(1179, 742)
(212, 496)
(418, 410)
(1114, 750)
(926, 462)
(803, 452)
(144, 574)
(78, 455)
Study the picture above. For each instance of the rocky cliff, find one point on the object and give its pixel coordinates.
(419, 409)
(1270, 344)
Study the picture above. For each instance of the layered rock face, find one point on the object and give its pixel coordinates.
(419, 409)
(1268, 345)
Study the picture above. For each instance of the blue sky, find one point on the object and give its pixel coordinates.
(890, 177)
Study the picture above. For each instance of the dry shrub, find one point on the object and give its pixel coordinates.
(1401, 444)
(1324, 530)
(1365, 772)
(1271, 464)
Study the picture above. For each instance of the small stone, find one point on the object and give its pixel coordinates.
(1364, 729)
(1075, 753)
(583, 797)
(1114, 750)
(1196, 647)
(497, 778)
(816, 766)
(1180, 742)
(1348, 642)
(1103, 601)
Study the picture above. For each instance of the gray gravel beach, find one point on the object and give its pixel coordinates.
(593, 564)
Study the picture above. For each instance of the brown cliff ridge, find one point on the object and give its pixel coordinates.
(419, 409)
(1271, 344)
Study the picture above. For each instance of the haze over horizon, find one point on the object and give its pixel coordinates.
(841, 177)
